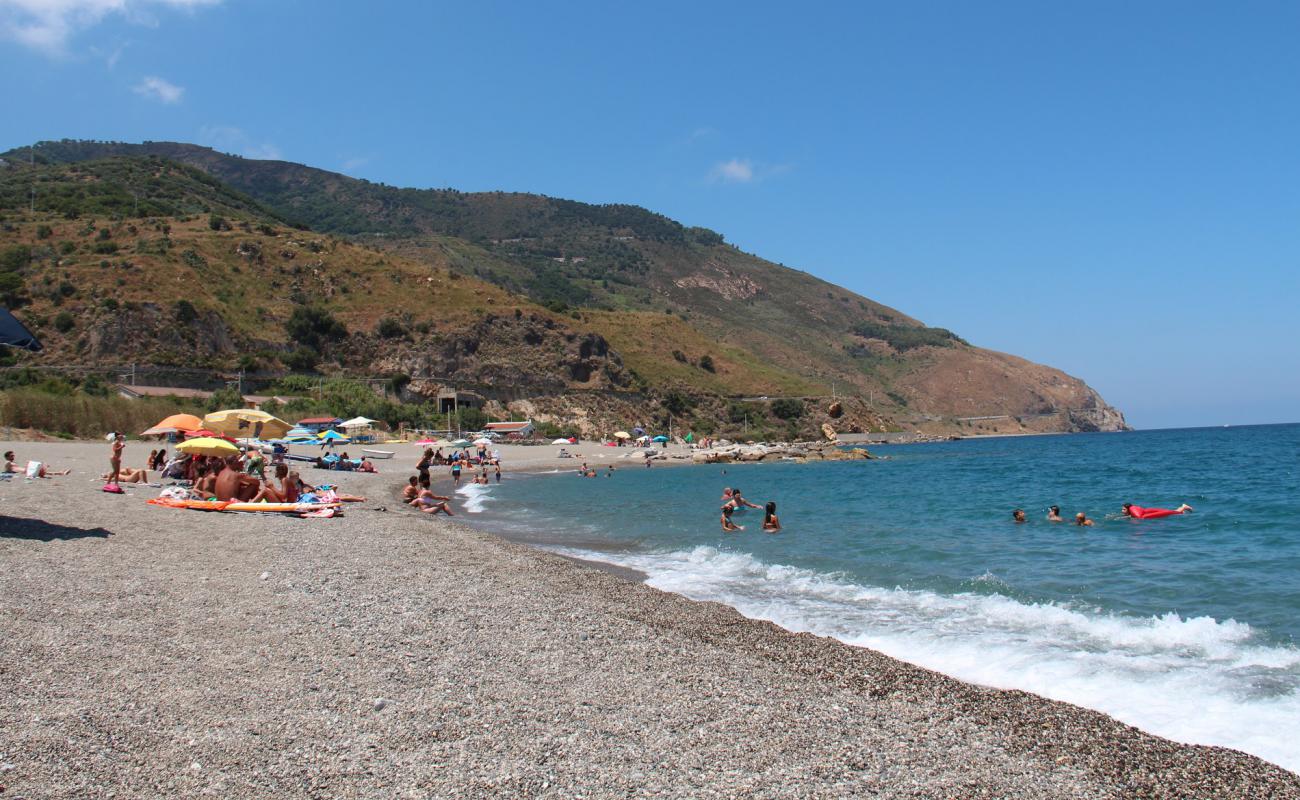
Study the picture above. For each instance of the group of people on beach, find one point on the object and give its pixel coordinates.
(734, 501)
(1128, 510)
(461, 463)
(239, 477)
(418, 492)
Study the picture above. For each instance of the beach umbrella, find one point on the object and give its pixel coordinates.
(14, 334)
(561, 441)
(202, 433)
(332, 436)
(660, 438)
(483, 442)
(690, 437)
(622, 435)
(639, 431)
(207, 446)
(357, 422)
(181, 422)
(242, 421)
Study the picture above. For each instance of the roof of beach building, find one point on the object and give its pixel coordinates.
(161, 391)
(507, 426)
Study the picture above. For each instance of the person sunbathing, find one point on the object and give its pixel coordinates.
(205, 481)
(411, 490)
(270, 492)
(430, 503)
(233, 484)
(11, 466)
(367, 466)
(128, 475)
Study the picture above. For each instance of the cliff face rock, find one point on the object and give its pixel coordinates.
(145, 328)
(969, 383)
(522, 351)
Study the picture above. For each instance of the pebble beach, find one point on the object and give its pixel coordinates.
(150, 652)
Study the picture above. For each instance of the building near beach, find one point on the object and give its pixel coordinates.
(513, 430)
(319, 424)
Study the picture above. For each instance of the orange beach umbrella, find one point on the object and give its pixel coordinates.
(175, 424)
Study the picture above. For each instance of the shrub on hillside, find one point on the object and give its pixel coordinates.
(787, 408)
(314, 327)
(390, 328)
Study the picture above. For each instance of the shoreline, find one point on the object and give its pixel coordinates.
(178, 652)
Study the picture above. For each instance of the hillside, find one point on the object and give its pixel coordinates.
(665, 297)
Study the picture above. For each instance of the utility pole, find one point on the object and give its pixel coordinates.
(31, 161)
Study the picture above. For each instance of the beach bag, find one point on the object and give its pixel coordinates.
(33, 469)
(113, 488)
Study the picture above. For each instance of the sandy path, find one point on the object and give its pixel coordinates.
(147, 652)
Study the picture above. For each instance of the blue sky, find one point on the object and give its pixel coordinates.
(1110, 188)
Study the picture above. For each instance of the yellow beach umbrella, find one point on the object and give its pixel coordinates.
(207, 446)
(622, 435)
(244, 422)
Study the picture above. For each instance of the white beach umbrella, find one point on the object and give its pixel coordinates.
(560, 441)
(484, 442)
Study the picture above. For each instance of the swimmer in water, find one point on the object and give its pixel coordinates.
(737, 501)
(1138, 512)
(1018, 515)
(1054, 514)
(727, 524)
(771, 523)
(1081, 519)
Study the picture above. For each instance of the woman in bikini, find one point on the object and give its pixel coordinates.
(115, 457)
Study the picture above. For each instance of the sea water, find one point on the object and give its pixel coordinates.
(1187, 627)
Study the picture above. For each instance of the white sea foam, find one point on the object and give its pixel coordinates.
(475, 496)
(1195, 680)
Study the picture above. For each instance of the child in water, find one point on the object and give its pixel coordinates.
(1081, 519)
(727, 524)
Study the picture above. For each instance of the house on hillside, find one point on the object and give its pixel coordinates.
(319, 424)
(256, 401)
(512, 430)
(131, 392)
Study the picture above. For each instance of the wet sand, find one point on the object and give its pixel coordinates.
(148, 652)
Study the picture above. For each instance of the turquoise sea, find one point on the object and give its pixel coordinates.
(1188, 627)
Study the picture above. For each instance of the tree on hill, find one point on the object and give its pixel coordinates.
(314, 327)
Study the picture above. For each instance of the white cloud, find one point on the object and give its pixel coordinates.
(737, 170)
(48, 25)
(229, 139)
(743, 170)
(156, 88)
(355, 163)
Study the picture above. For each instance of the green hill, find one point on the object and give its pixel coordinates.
(618, 271)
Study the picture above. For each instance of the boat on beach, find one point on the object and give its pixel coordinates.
(378, 453)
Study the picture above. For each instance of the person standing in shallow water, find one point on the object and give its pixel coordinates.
(771, 523)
